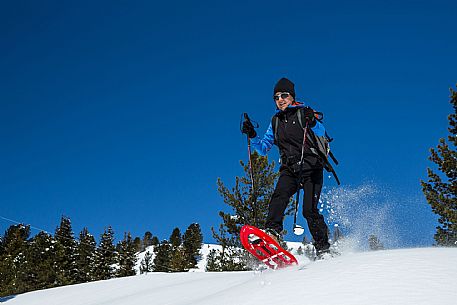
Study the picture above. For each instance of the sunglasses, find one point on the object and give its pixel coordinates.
(282, 95)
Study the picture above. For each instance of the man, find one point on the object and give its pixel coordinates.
(301, 165)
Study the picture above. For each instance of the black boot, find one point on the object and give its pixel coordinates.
(321, 252)
(273, 234)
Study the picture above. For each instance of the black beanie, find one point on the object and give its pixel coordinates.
(284, 85)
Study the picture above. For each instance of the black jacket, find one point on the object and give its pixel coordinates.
(289, 139)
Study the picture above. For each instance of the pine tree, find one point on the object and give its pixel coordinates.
(230, 257)
(155, 241)
(177, 261)
(308, 248)
(178, 258)
(175, 238)
(146, 264)
(40, 262)
(374, 243)
(212, 261)
(162, 258)
(147, 240)
(86, 256)
(309, 252)
(106, 256)
(138, 244)
(127, 256)
(441, 190)
(12, 260)
(192, 243)
(66, 253)
(248, 207)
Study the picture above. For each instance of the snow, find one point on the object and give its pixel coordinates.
(402, 276)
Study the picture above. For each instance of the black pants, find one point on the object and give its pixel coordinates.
(287, 186)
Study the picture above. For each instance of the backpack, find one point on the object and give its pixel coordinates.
(319, 145)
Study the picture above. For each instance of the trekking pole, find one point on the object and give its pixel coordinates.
(249, 154)
(298, 229)
(246, 118)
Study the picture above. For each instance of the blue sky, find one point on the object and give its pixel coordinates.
(126, 113)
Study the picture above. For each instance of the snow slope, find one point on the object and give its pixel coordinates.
(406, 276)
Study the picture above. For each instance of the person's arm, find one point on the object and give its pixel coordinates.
(264, 145)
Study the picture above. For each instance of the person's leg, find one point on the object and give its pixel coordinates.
(312, 187)
(286, 186)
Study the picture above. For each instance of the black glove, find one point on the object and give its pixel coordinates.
(309, 116)
(248, 129)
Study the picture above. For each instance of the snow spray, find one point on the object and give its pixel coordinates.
(359, 212)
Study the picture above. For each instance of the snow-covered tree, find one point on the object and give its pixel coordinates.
(178, 259)
(374, 243)
(66, 253)
(192, 243)
(86, 256)
(127, 256)
(146, 264)
(308, 250)
(231, 257)
(106, 256)
(41, 262)
(163, 256)
(13, 250)
(213, 261)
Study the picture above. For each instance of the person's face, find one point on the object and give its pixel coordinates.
(283, 100)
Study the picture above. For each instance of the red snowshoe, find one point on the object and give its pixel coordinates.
(265, 248)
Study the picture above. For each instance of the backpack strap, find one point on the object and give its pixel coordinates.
(314, 145)
(301, 117)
